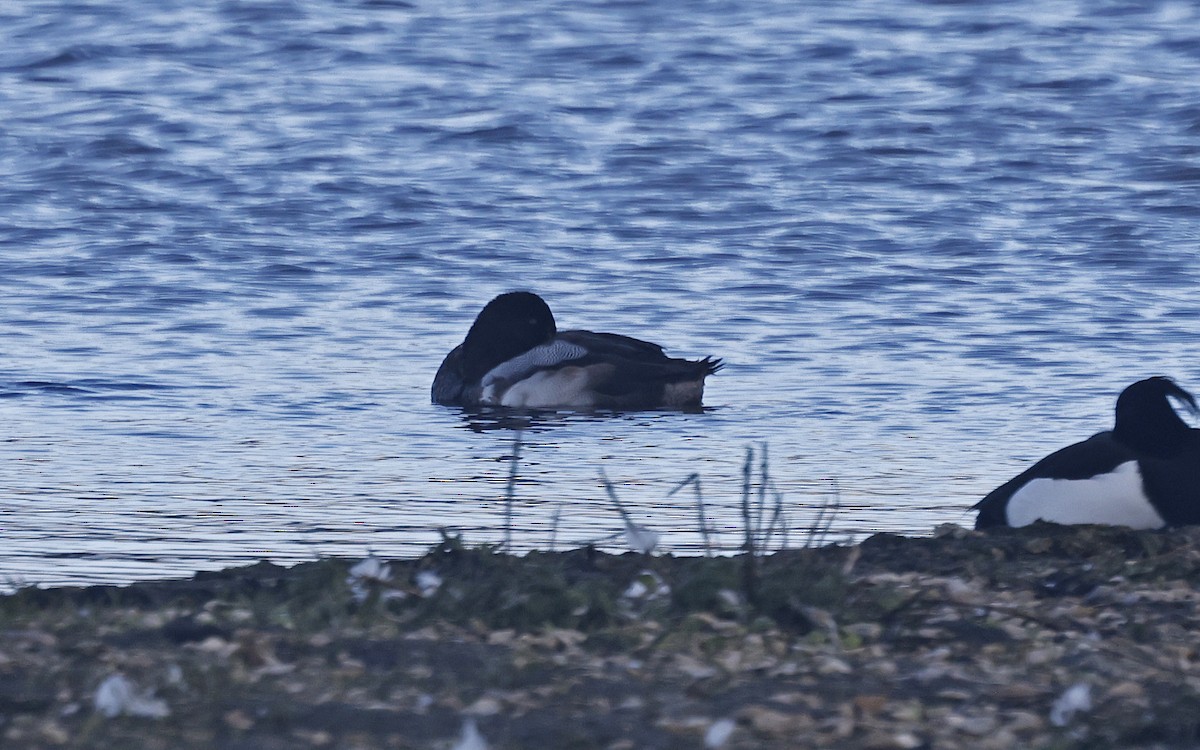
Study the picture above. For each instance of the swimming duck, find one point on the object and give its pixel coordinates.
(515, 356)
(1144, 473)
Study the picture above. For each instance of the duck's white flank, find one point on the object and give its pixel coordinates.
(565, 388)
(1116, 498)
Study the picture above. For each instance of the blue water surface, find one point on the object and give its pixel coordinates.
(932, 241)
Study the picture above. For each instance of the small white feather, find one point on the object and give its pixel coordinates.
(1076, 699)
(370, 568)
(640, 539)
(470, 739)
(428, 581)
(718, 733)
(118, 695)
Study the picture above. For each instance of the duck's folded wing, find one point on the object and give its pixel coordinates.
(625, 366)
(615, 345)
(557, 353)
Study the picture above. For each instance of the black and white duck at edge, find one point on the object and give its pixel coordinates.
(1144, 473)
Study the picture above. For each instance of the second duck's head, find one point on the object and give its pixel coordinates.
(1146, 420)
(509, 325)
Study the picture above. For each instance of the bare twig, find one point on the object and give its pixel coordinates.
(762, 493)
(749, 562)
(694, 480)
(776, 520)
(511, 491)
(746, 520)
(639, 538)
(612, 495)
(554, 524)
(837, 508)
(820, 528)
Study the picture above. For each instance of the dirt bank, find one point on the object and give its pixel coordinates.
(1045, 637)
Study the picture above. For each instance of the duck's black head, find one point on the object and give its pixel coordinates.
(1146, 421)
(510, 324)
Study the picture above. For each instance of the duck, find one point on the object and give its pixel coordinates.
(514, 356)
(1144, 473)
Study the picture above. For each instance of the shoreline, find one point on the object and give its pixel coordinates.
(1055, 637)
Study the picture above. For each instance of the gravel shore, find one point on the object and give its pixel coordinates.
(1046, 637)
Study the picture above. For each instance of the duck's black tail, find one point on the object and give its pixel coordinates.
(709, 365)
